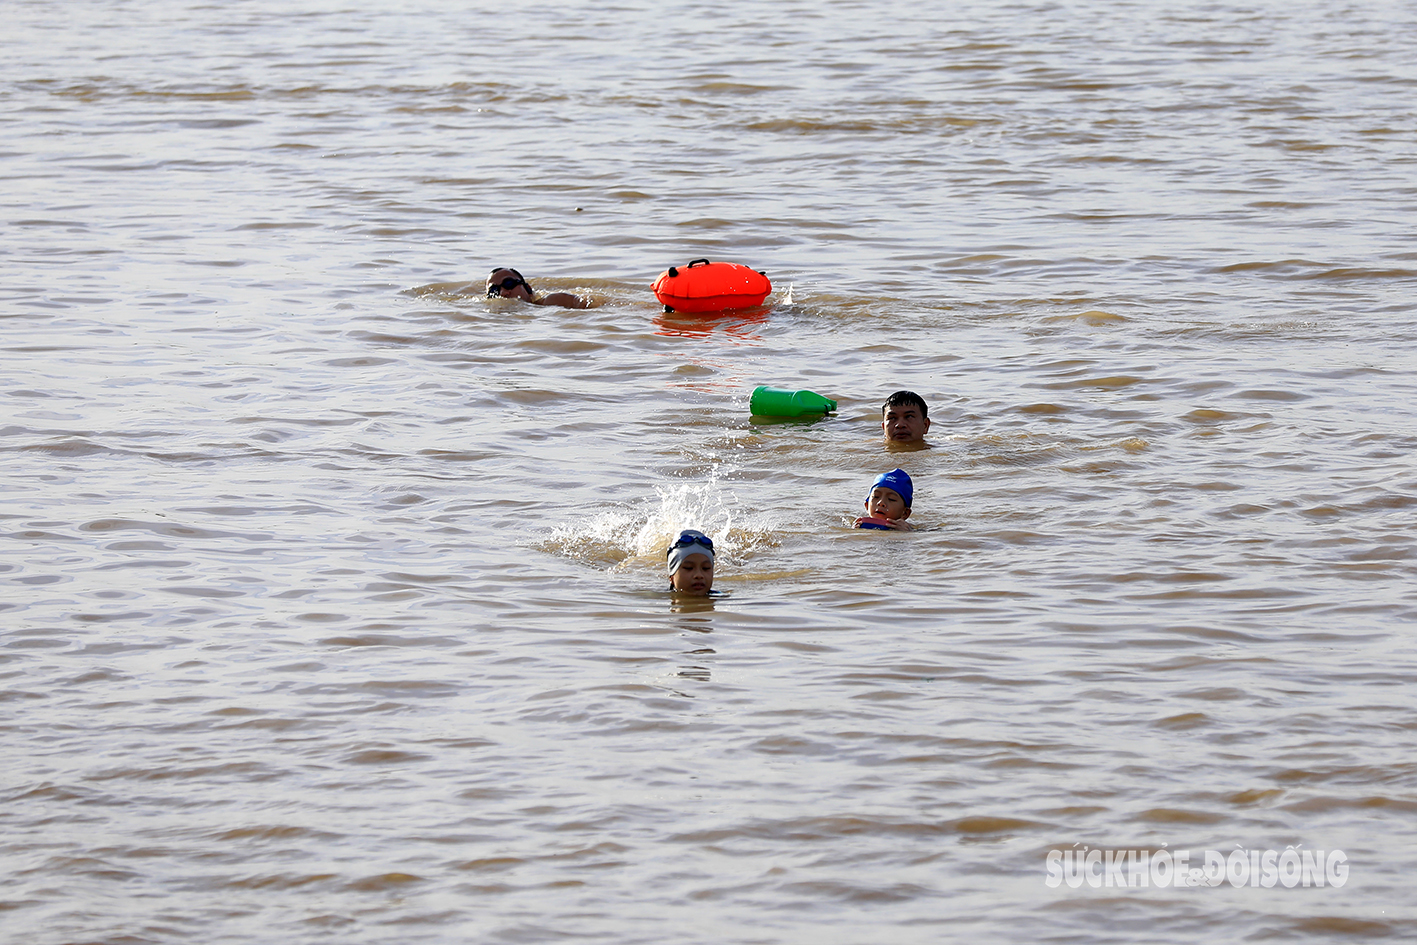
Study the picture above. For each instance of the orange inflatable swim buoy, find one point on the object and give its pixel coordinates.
(704, 286)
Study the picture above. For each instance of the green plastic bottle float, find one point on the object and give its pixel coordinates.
(776, 402)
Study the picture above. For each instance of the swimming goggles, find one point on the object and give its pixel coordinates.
(684, 541)
(506, 285)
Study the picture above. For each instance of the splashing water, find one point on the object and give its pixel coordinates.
(635, 538)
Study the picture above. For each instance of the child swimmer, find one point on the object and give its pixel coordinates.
(888, 502)
(690, 562)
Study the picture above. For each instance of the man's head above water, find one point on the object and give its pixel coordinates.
(905, 418)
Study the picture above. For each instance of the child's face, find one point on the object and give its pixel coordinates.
(887, 503)
(695, 575)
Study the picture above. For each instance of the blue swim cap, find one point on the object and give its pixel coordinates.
(897, 480)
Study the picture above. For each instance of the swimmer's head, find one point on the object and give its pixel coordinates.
(690, 563)
(891, 495)
(508, 284)
(905, 418)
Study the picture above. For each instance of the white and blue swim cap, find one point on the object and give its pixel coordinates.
(689, 542)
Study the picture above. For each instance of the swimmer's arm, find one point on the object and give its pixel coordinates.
(564, 299)
(899, 524)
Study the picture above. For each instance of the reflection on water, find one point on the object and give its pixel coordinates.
(334, 595)
(740, 326)
(690, 604)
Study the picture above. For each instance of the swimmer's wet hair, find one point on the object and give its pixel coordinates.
(902, 398)
(520, 278)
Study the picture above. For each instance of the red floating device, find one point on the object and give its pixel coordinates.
(704, 286)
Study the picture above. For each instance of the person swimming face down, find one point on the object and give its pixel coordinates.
(905, 419)
(506, 283)
(690, 563)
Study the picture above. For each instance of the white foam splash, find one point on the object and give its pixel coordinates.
(624, 537)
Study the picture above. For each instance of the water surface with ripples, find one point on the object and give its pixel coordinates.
(333, 599)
